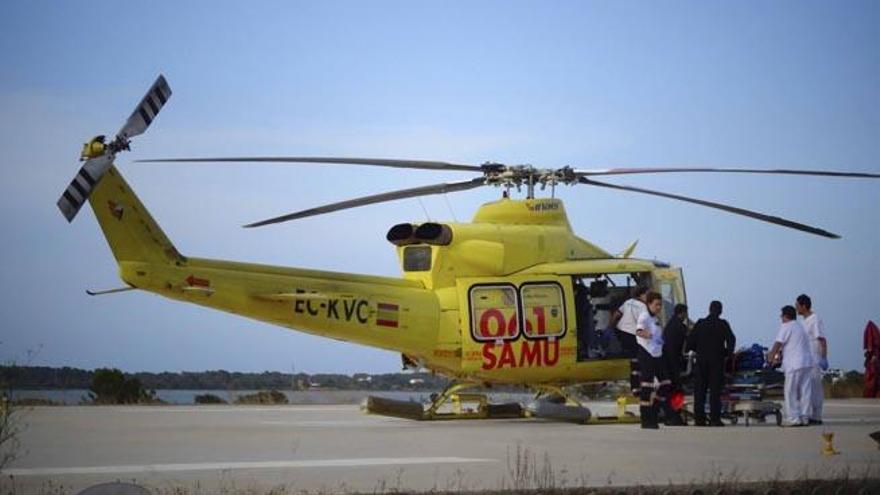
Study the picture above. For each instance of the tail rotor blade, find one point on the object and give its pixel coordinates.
(81, 186)
(147, 109)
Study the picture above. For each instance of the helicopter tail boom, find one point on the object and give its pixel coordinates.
(384, 312)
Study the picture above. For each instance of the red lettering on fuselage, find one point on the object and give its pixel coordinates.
(525, 354)
(507, 358)
(489, 359)
(530, 354)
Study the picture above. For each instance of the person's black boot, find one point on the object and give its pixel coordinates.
(649, 418)
(673, 418)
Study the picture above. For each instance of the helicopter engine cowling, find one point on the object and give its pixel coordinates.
(402, 234)
(436, 234)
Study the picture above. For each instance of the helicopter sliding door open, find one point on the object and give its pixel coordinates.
(597, 296)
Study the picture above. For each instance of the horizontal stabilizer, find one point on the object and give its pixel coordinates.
(109, 291)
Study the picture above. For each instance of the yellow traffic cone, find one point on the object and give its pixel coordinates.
(827, 444)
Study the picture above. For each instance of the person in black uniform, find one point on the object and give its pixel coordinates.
(584, 318)
(713, 341)
(674, 336)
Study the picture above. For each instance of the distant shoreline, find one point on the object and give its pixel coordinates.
(75, 397)
(66, 378)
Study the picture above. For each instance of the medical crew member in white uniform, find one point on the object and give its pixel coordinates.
(815, 328)
(649, 336)
(626, 319)
(797, 364)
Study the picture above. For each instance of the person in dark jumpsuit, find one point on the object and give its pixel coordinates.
(713, 341)
(674, 337)
(585, 325)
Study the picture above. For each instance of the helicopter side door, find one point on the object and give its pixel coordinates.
(517, 326)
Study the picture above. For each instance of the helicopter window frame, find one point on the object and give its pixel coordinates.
(564, 316)
(517, 306)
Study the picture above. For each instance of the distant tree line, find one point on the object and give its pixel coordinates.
(45, 377)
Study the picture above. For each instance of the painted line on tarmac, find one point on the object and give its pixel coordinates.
(852, 405)
(238, 409)
(223, 466)
(852, 421)
(372, 423)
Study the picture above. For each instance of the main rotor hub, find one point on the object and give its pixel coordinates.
(508, 176)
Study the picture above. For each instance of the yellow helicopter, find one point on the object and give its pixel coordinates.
(512, 297)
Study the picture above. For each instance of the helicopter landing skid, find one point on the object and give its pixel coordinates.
(622, 416)
(553, 402)
(451, 403)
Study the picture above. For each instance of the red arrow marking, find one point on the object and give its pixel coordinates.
(200, 282)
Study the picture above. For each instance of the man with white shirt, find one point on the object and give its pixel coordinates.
(625, 321)
(815, 328)
(797, 364)
(649, 335)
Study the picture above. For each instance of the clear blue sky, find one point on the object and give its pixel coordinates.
(588, 84)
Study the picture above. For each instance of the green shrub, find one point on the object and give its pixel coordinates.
(209, 399)
(110, 386)
(263, 397)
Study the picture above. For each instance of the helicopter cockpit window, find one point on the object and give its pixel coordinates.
(417, 258)
(494, 312)
(544, 310)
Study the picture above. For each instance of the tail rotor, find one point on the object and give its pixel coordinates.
(98, 155)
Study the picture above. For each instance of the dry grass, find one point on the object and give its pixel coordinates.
(531, 474)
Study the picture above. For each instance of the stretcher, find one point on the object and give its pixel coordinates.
(746, 393)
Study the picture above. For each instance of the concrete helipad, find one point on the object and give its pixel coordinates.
(338, 448)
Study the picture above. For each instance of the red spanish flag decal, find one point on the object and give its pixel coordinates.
(387, 315)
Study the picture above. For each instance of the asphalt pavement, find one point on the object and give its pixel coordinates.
(339, 448)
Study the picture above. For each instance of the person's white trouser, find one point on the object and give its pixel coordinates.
(798, 394)
(817, 394)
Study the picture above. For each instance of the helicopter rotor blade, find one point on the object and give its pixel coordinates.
(147, 110)
(730, 209)
(637, 170)
(376, 198)
(378, 162)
